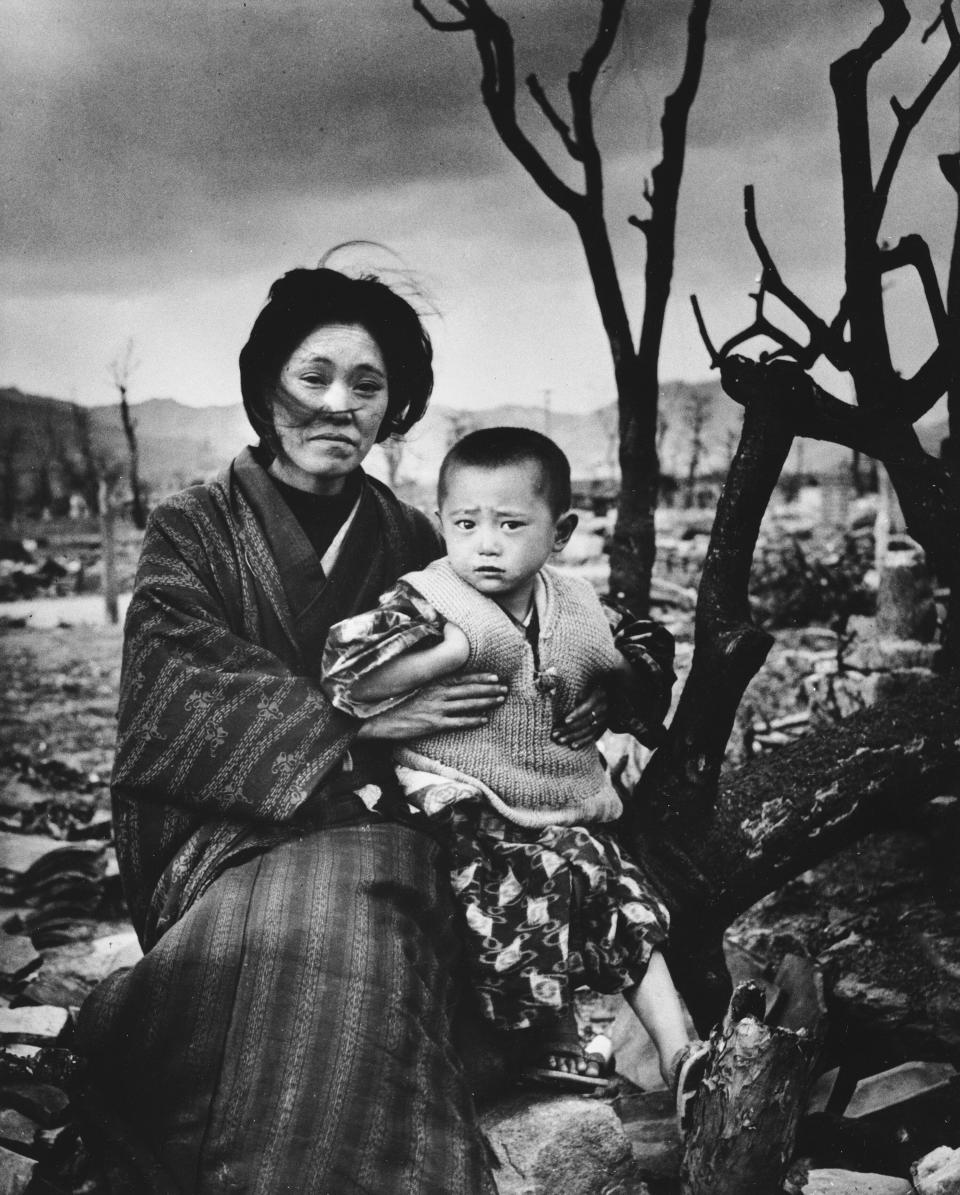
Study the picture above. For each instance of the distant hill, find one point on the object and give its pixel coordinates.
(40, 439)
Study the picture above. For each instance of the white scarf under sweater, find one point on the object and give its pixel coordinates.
(526, 777)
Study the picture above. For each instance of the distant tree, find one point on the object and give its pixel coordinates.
(392, 449)
(52, 472)
(12, 441)
(90, 468)
(697, 414)
(459, 424)
(635, 367)
(122, 369)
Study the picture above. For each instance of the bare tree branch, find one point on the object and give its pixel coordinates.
(662, 191)
(436, 22)
(909, 117)
(849, 76)
(560, 125)
(823, 340)
(811, 411)
(580, 84)
(704, 334)
(498, 88)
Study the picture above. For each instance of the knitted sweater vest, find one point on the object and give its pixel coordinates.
(526, 777)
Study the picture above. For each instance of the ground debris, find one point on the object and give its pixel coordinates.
(846, 1182)
(938, 1172)
(16, 1172)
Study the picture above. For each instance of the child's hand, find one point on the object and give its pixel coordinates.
(455, 644)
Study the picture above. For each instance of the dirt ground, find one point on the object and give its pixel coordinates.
(58, 698)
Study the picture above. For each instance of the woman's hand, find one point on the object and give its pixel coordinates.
(456, 704)
(585, 723)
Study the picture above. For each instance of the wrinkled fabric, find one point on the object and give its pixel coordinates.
(545, 912)
(291, 1032)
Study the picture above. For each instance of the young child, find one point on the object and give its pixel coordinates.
(550, 900)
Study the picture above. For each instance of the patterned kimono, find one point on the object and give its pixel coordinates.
(544, 910)
(289, 1026)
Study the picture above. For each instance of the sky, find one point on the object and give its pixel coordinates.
(163, 161)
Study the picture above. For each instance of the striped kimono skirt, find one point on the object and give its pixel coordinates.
(292, 1032)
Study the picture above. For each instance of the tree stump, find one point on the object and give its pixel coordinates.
(744, 1121)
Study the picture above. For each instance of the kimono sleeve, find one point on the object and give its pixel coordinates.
(403, 621)
(641, 704)
(211, 718)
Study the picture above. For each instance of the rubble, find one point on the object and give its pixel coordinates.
(938, 1173)
(891, 1090)
(567, 1145)
(16, 1171)
(849, 1182)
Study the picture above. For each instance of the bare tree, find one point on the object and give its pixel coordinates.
(636, 367)
(122, 369)
(718, 844)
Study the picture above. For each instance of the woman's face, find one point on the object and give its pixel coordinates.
(330, 402)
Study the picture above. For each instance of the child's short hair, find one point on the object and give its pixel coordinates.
(492, 447)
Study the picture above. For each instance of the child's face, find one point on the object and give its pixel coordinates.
(499, 530)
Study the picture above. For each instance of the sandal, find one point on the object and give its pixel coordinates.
(599, 1051)
(689, 1066)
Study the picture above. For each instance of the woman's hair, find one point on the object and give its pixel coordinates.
(303, 300)
(493, 447)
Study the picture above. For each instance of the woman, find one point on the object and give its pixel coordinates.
(288, 1028)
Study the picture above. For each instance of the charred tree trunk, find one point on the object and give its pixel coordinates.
(715, 847)
(745, 1119)
(138, 509)
(108, 539)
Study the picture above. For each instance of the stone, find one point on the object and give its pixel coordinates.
(41, 1025)
(853, 1182)
(42, 1102)
(822, 1091)
(16, 1171)
(938, 1172)
(873, 654)
(20, 796)
(892, 1089)
(17, 957)
(19, 852)
(16, 1129)
(650, 1122)
(94, 960)
(905, 605)
(803, 1006)
(566, 1144)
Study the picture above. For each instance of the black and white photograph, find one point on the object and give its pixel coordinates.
(479, 597)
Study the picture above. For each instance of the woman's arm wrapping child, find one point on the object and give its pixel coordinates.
(375, 660)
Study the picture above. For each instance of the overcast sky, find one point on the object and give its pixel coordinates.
(162, 161)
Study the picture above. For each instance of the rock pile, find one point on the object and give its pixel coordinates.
(61, 932)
